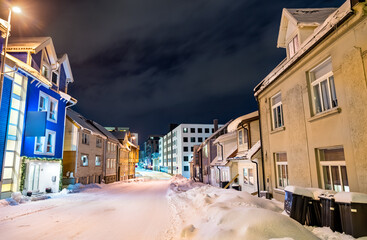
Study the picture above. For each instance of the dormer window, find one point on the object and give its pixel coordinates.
(293, 46)
(55, 78)
(45, 71)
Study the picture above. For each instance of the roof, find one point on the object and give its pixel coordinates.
(234, 124)
(322, 31)
(215, 134)
(108, 134)
(310, 15)
(81, 121)
(65, 60)
(226, 137)
(120, 135)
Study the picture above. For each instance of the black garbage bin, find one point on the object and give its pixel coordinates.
(353, 213)
(288, 198)
(223, 184)
(297, 200)
(330, 216)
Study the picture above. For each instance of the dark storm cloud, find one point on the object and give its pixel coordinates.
(145, 64)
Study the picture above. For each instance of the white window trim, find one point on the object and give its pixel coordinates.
(276, 170)
(325, 77)
(83, 154)
(294, 48)
(44, 152)
(48, 105)
(58, 78)
(272, 111)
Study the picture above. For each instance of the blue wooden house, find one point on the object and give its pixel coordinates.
(32, 117)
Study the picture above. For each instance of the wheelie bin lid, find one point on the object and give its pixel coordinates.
(351, 197)
(299, 191)
(317, 192)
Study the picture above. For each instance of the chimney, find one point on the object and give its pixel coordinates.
(215, 123)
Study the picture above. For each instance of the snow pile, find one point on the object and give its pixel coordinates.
(327, 234)
(349, 197)
(208, 212)
(181, 184)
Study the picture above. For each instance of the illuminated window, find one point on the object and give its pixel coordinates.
(277, 111)
(281, 166)
(248, 176)
(323, 87)
(293, 46)
(45, 144)
(98, 160)
(84, 160)
(185, 130)
(48, 104)
(333, 169)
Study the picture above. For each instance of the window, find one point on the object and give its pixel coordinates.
(248, 176)
(277, 111)
(240, 137)
(323, 87)
(45, 71)
(186, 158)
(185, 139)
(48, 104)
(45, 144)
(186, 168)
(192, 139)
(99, 142)
(98, 160)
(55, 78)
(200, 139)
(219, 151)
(192, 149)
(200, 130)
(293, 46)
(192, 130)
(206, 130)
(85, 138)
(333, 169)
(243, 136)
(84, 159)
(281, 169)
(185, 130)
(212, 130)
(185, 149)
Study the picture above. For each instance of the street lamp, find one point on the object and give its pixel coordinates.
(16, 10)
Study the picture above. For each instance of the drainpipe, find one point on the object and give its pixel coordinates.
(261, 147)
(221, 146)
(257, 177)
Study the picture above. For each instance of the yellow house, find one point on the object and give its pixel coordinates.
(312, 106)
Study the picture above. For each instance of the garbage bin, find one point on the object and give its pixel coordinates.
(353, 212)
(223, 184)
(330, 216)
(297, 202)
(314, 211)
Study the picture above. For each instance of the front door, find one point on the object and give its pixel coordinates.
(33, 180)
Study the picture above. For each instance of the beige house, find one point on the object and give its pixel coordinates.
(83, 151)
(312, 105)
(246, 163)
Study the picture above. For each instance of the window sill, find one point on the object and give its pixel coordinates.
(279, 129)
(325, 114)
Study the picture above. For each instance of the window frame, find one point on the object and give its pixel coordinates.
(278, 163)
(44, 143)
(326, 77)
(48, 100)
(293, 46)
(249, 182)
(100, 162)
(329, 164)
(81, 161)
(87, 138)
(57, 79)
(274, 119)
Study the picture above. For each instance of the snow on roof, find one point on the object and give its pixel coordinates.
(329, 25)
(310, 15)
(82, 121)
(351, 197)
(215, 134)
(108, 134)
(234, 124)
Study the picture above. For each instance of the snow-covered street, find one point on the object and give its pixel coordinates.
(155, 209)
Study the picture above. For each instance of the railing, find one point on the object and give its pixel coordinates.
(231, 181)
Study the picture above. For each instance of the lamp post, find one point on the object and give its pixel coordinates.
(16, 10)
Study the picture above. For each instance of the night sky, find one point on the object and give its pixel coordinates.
(147, 63)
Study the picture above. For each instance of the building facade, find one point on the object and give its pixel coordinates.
(312, 105)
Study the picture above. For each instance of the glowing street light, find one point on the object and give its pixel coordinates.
(16, 10)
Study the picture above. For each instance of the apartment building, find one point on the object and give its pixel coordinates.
(177, 146)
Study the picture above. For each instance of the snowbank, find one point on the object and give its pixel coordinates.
(207, 212)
